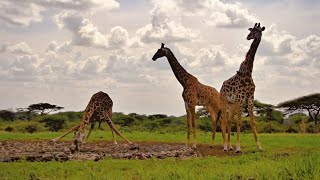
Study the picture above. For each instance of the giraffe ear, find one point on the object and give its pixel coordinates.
(263, 28)
(250, 29)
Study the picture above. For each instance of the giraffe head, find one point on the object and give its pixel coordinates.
(78, 137)
(160, 53)
(255, 32)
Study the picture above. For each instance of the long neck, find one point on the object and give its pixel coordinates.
(181, 74)
(247, 64)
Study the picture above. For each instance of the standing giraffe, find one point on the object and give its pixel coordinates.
(99, 109)
(194, 93)
(239, 88)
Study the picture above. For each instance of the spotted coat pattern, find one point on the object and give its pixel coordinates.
(240, 88)
(98, 110)
(194, 93)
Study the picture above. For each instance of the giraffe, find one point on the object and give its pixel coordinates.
(194, 93)
(239, 88)
(99, 109)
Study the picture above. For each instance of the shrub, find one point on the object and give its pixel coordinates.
(7, 115)
(53, 123)
(151, 126)
(270, 127)
(157, 116)
(137, 116)
(31, 128)
(9, 129)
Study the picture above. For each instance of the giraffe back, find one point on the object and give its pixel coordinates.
(99, 102)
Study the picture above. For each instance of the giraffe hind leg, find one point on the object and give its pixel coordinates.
(253, 124)
(112, 126)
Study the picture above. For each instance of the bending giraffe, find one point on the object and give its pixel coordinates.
(99, 109)
(194, 93)
(239, 88)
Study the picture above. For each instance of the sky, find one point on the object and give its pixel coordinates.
(64, 51)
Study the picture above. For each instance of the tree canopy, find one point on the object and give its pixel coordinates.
(310, 102)
(44, 108)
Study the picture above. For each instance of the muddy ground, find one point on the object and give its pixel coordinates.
(61, 151)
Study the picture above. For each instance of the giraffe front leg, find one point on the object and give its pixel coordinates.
(114, 138)
(223, 123)
(75, 128)
(188, 125)
(194, 125)
(90, 130)
(230, 120)
(253, 123)
(239, 123)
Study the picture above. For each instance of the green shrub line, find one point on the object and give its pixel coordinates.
(63, 121)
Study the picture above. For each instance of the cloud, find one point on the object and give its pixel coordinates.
(65, 47)
(80, 5)
(118, 37)
(214, 12)
(229, 15)
(19, 48)
(20, 13)
(84, 33)
(23, 13)
(163, 27)
(24, 68)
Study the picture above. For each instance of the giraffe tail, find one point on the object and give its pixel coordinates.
(113, 127)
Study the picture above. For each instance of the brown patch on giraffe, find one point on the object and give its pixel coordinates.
(194, 94)
(40, 151)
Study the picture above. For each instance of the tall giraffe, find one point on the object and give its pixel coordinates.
(239, 88)
(99, 109)
(194, 93)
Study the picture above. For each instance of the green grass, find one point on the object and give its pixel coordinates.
(286, 156)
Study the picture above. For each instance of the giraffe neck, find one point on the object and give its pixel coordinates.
(247, 64)
(181, 74)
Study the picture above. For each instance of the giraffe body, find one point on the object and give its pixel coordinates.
(240, 88)
(98, 110)
(194, 93)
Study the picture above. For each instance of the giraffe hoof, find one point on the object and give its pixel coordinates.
(211, 146)
(115, 142)
(194, 147)
(225, 150)
(238, 152)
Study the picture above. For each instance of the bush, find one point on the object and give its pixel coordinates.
(296, 118)
(157, 116)
(8, 129)
(7, 115)
(270, 127)
(138, 116)
(151, 126)
(31, 128)
(53, 123)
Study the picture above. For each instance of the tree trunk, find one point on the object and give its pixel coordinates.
(310, 114)
(315, 117)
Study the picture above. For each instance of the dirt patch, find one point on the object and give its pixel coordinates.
(60, 151)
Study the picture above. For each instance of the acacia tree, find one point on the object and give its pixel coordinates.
(310, 103)
(43, 108)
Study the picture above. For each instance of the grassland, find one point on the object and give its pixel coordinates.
(285, 156)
